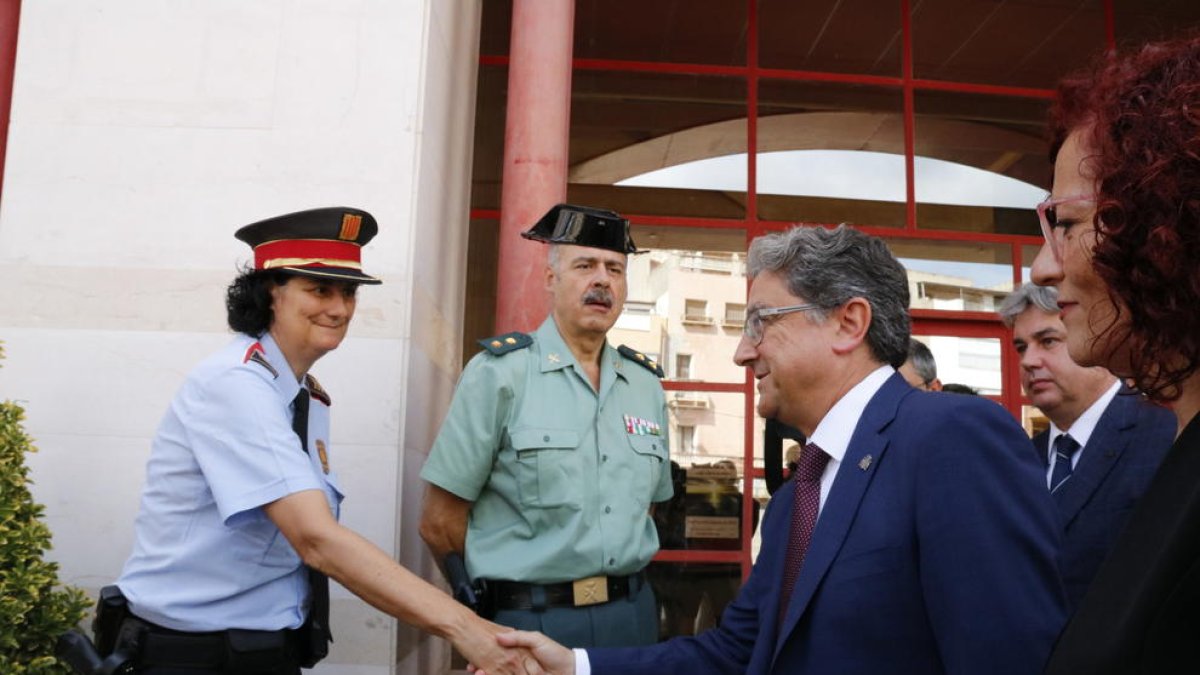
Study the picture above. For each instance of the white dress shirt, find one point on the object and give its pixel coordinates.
(1081, 430)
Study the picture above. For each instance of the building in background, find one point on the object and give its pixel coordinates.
(139, 135)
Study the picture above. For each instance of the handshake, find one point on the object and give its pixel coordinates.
(512, 652)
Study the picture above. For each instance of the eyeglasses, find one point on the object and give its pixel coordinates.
(1048, 217)
(752, 330)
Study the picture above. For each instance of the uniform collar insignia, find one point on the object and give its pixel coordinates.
(316, 390)
(258, 354)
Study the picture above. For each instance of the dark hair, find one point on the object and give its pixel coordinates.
(955, 388)
(248, 300)
(1140, 113)
(830, 267)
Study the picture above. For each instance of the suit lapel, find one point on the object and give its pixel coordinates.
(837, 515)
(1101, 454)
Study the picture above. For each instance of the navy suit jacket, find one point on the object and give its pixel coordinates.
(1120, 458)
(935, 552)
(1142, 612)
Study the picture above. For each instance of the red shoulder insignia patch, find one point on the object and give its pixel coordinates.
(316, 390)
(257, 354)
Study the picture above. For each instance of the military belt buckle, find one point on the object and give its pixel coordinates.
(590, 591)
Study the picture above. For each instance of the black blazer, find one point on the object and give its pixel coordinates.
(1116, 466)
(1142, 613)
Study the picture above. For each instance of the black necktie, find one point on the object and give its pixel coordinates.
(318, 583)
(1065, 448)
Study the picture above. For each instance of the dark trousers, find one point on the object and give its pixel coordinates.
(161, 651)
(286, 669)
(625, 622)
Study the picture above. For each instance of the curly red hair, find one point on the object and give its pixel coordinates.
(1140, 113)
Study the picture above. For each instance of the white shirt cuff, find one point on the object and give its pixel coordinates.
(582, 665)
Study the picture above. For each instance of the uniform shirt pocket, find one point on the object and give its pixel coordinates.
(548, 467)
(650, 456)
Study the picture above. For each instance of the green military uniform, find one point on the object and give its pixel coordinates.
(561, 476)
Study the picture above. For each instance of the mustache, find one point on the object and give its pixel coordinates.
(598, 295)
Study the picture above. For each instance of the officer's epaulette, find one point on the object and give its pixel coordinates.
(641, 359)
(317, 391)
(257, 354)
(509, 342)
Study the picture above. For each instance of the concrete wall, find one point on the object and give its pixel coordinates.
(143, 134)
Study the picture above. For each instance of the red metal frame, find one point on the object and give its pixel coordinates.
(10, 20)
(925, 322)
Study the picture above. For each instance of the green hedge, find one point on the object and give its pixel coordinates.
(33, 613)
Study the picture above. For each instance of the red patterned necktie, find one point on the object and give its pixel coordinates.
(805, 506)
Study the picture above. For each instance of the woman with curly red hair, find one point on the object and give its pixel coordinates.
(1122, 231)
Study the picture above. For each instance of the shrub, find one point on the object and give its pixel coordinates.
(33, 613)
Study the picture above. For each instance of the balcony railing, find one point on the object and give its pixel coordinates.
(708, 262)
(690, 400)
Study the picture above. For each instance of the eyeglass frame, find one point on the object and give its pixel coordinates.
(1048, 227)
(758, 314)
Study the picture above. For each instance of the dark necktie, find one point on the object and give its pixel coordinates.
(318, 583)
(805, 507)
(1065, 448)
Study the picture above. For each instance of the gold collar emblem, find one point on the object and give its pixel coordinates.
(322, 455)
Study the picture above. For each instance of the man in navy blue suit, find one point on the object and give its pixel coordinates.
(916, 536)
(1104, 442)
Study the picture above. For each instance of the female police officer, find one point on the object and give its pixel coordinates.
(238, 528)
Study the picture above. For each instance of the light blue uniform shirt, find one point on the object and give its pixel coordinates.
(205, 556)
(561, 475)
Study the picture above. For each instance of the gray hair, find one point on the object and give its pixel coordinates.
(1025, 296)
(922, 360)
(828, 268)
(552, 256)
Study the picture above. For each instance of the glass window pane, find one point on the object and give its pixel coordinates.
(1033, 420)
(678, 290)
(625, 125)
(714, 422)
(706, 464)
(980, 162)
(1138, 21)
(701, 31)
(692, 595)
(683, 371)
(735, 315)
(955, 276)
(830, 153)
(973, 362)
(1028, 253)
(842, 36)
(696, 311)
(1023, 44)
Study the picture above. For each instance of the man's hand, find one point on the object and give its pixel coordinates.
(478, 641)
(551, 657)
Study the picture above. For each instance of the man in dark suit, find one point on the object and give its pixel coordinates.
(915, 537)
(1104, 442)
